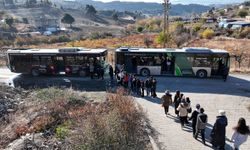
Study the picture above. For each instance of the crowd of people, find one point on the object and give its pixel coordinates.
(199, 119)
(133, 83)
(182, 107)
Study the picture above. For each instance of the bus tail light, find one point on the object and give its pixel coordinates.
(67, 70)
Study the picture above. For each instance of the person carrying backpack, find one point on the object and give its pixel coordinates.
(201, 125)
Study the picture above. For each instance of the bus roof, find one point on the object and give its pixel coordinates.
(71, 50)
(165, 50)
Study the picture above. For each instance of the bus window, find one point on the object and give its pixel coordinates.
(69, 60)
(45, 60)
(35, 60)
(202, 62)
(81, 60)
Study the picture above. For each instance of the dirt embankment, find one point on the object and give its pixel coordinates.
(53, 118)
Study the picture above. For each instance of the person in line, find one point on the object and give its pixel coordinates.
(188, 102)
(102, 72)
(201, 125)
(194, 118)
(148, 86)
(134, 80)
(91, 70)
(117, 70)
(111, 72)
(218, 134)
(182, 113)
(177, 102)
(166, 101)
(125, 80)
(138, 87)
(142, 88)
(153, 87)
(241, 133)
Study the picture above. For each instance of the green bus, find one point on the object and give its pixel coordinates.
(191, 61)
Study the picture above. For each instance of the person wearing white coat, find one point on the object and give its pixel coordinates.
(241, 133)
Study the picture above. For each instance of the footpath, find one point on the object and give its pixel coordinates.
(170, 136)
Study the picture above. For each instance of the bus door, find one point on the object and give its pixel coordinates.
(131, 64)
(170, 63)
(59, 63)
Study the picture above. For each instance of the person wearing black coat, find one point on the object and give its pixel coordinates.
(177, 101)
(218, 134)
(111, 72)
(194, 118)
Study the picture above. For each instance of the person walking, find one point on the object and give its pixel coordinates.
(241, 133)
(182, 113)
(201, 125)
(111, 72)
(218, 134)
(194, 118)
(177, 101)
(166, 101)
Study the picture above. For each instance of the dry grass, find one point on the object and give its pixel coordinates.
(116, 122)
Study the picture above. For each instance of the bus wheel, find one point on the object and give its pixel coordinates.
(201, 74)
(82, 73)
(145, 72)
(35, 72)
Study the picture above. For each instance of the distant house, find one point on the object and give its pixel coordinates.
(238, 24)
(234, 25)
(47, 23)
(247, 19)
(242, 7)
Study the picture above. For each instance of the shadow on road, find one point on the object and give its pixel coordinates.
(233, 86)
(77, 83)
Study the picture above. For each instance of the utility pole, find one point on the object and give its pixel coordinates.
(166, 5)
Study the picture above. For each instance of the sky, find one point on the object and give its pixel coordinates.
(204, 2)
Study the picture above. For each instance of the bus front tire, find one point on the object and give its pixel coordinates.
(145, 72)
(35, 72)
(201, 74)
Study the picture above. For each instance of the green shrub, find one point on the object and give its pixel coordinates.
(139, 29)
(207, 34)
(196, 27)
(62, 131)
(50, 94)
(243, 13)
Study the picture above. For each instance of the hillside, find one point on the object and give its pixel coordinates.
(146, 8)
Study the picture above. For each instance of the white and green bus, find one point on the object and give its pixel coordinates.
(192, 61)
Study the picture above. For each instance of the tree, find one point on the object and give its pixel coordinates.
(115, 16)
(90, 10)
(9, 21)
(139, 29)
(68, 19)
(242, 13)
